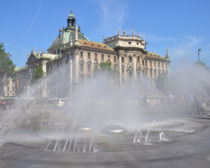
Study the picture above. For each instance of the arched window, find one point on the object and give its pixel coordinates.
(130, 59)
(115, 58)
(122, 59)
(96, 56)
(81, 54)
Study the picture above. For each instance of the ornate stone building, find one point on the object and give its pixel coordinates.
(81, 57)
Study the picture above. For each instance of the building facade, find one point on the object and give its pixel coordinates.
(8, 87)
(82, 57)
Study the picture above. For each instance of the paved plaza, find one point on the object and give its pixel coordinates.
(189, 146)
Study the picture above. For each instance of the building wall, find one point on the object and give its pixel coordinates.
(8, 87)
(128, 56)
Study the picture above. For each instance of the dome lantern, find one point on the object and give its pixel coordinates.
(71, 20)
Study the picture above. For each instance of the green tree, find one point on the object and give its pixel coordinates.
(106, 66)
(7, 68)
(38, 74)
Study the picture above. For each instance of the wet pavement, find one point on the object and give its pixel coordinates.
(191, 150)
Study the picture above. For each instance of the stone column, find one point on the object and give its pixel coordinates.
(141, 74)
(44, 83)
(76, 67)
(134, 67)
(70, 75)
(120, 68)
(126, 67)
(85, 65)
(71, 71)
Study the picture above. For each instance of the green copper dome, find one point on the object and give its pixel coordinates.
(66, 35)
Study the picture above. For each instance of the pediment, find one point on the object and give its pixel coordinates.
(32, 58)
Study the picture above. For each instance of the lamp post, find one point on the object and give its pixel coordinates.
(199, 50)
(145, 45)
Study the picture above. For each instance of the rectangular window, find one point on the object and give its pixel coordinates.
(96, 56)
(122, 59)
(115, 58)
(150, 63)
(81, 54)
(146, 62)
(108, 57)
(143, 62)
(102, 57)
(138, 59)
(88, 55)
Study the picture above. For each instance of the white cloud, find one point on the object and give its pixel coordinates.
(112, 15)
(192, 41)
(186, 50)
(36, 16)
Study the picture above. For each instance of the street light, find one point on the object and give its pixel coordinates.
(199, 50)
(146, 45)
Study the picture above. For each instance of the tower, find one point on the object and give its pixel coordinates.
(71, 20)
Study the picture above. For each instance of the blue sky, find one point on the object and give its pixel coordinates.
(182, 25)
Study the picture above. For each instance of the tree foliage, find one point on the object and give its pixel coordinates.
(105, 66)
(7, 68)
(38, 74)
